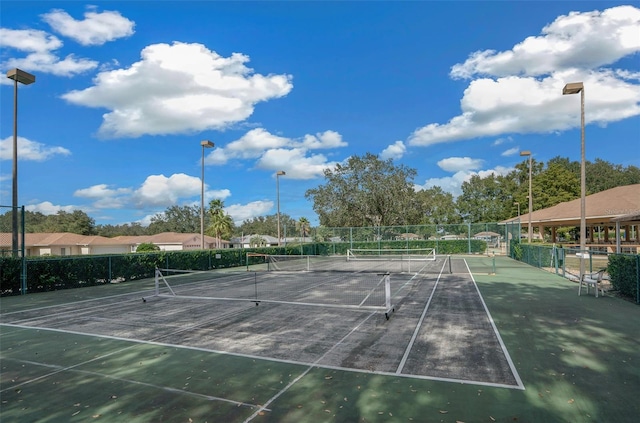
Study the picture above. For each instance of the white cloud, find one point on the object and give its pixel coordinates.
(48, 208)
(219, 194)
(455, 164)
(453, 184)
(295, 162)
(502, 140)
(178, 88)
(158, 190)
(104, 197)
(510, 152)
(242, 212)
(323, 140)
(32, 40)
(40, 58)
(579, 40)
(96, 29)
(275, 153)
(394, 151)
(30, 150)
(520, 90)
(250, 146)
(494, 107)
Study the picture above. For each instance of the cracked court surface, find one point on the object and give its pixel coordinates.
(440, 329)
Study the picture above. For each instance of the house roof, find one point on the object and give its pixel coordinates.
(487, 233)
(600, 208)
(66, 238)
(166, 238)
(247, 239)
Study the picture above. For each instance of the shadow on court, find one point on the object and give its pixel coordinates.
(165, 360)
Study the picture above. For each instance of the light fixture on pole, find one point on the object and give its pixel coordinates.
(278, 174)
(24, 78)
(204, 144)
(528, 153)
(516, 203)
(575, 88)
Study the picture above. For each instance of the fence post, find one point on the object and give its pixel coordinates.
(350, 237)
(637, 279)
(23, 272)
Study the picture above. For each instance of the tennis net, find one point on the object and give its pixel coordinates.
(361, 291)
(392, 254)
(391, 262)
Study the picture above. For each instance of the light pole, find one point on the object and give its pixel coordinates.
(528, 153)
(204, 144)
(575, 88)
(516, 203)
(278, 174)
(24, 78)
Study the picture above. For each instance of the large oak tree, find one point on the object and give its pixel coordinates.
(365, 191)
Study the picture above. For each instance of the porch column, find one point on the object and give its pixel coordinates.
(627, 235)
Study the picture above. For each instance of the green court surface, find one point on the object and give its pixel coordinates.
(578, 359)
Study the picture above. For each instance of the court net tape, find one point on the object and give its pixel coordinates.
(359, 291)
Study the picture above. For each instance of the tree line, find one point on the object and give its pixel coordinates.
(181, 219)
(368, 191)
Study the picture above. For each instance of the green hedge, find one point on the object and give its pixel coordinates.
(10, 275)
(624, 275)
(54, 273)
(460, 246)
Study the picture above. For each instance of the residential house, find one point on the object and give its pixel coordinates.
(66, 244)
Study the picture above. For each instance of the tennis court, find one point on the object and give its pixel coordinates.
(457, 346)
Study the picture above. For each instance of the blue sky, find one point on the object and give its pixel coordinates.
(125, 92)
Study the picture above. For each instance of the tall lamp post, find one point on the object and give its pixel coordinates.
(278, 174)
(528, 153)
(575, 88)
(204, 144)
(24, 78)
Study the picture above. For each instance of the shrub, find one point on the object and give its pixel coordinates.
(147, 246)
(623, 272)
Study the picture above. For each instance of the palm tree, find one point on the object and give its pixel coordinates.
(303, 226)
(257, 241)
(220, 223)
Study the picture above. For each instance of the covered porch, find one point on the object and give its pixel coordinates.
(612, 221)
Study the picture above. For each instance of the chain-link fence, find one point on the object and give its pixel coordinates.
(621, 271)
(497, 236)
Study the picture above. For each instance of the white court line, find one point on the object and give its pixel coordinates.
(135, 343)
(135, 382)
(419, 325)
(256, 357)
(74, 312)
(495, 330)
(77, 302)
(301, 375)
